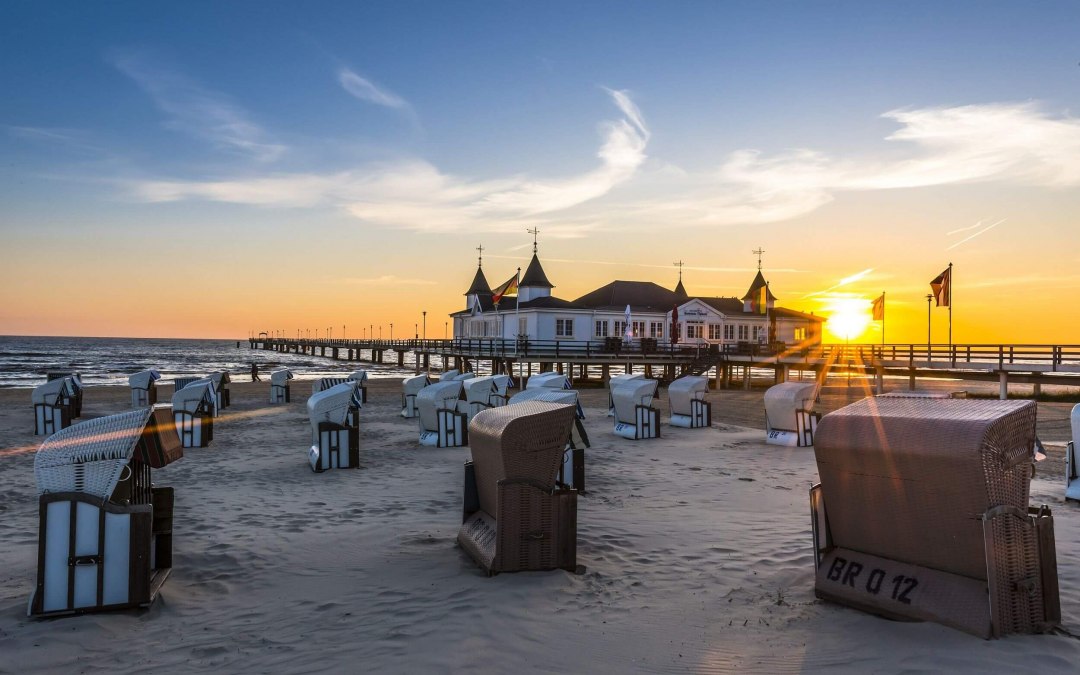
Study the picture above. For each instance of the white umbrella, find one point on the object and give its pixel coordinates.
(629, 331)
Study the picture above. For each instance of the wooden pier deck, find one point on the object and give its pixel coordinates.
(1016, 363)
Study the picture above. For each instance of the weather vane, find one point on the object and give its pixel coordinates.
(679, 265)
(480, 259)
(758, 253)
(534, 232)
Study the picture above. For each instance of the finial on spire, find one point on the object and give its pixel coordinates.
(679, 265)
(480, 259)
(534, 232)
(758, 253)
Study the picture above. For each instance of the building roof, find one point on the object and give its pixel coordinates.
(734, 306)
(759, 281)
(480, 284)
(534, 275)
(640, 295)
(680, 289)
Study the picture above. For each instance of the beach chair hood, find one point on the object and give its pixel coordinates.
(626, 395)
(413, 385)
(90, 457)
(449, 375)
(435, 397)
(219, 378)
(144, 378)
(562, 396)
(190, 397)
(360, 376)
(548, 380)
(332, 405)
(281, 377)
(782, 400)
(52, 390)
(684, 390)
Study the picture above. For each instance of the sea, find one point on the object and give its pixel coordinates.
(24, 361)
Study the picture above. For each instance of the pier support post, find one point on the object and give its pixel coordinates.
(1003, 385)
(605, 373)
(401, 359)
(1036, 389)
(648, 370)
(334, 353)
(780, 373)
(746, 377)
(911, 380)
(879, 380)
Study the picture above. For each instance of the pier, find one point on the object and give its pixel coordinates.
(1035, 365)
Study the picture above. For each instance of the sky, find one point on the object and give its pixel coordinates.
(205, 169)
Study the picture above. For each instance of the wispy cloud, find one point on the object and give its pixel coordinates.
(366, 90)
(69, 138)
(386, 280)
(414, 194)
(976, 234)
(843, 282)
(196, 110)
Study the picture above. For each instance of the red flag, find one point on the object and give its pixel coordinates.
(942, 287)
(508, 288)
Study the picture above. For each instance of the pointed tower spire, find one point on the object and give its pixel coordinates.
(679, 288)
(480, 285)
(534, 283)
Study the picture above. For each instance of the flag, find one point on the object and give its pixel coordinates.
(763, 299)
(629, 331)
(675, 324)
(942, 287)
(508, 288)
(879, 308)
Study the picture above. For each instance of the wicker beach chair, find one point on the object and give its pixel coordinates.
(460, 377)
(193, 410)
(143, 386)
(635, 418)
(181, 382)
(615, 381)
(76, 384)
(324, 383)
(280, 391)
(441, 423)
(361, 377)
(449, 375)
(789, 414)
(1072, 468)
(686, 398)
(335, 427)
(572, 469)
(922, 513)
(515, 517)
(54, 405)
(410, 387)
(221, 382)
(106, 532)
(484, 392)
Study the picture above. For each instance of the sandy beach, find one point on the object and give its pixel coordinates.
(697, 550)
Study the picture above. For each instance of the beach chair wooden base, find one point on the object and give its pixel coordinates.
(280, 394)
(536, 529)
(1021, 563)
(48, 419)
(408, 406)
(700, 416)
(338, 448)
(572, 470)
(94, 555)
(801, 437)
(143, 398)
(453, 431)
(196, 430)
(646, 425)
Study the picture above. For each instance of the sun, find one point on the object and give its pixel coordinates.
(849, 316)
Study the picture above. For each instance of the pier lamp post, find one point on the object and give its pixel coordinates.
(391, 331)
(929, 357)
(444, 329)
(425, 323)
(380, 331)
(371, 331)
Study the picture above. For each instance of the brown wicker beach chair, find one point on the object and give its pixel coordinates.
(922, 514)
(515, 518)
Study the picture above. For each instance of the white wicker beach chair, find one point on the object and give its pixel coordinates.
(324, 383)
(144, 388)
(449, 375)
(488, 391)
(193, 413)
(689, 408)
(221, 382)
(572, 470)
(280, 391)
(1072, 468)
(106, 532)
(335, 427)
(635, 418)
(360, 376)
(460, 377)
(441, 423)
(615, 381)
(789, 414)
(54, 404)
(410, 387)
(548, 380)
(76, 385)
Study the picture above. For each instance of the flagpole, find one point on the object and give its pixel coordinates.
(517, 319)
(883, 323)
(950, 308)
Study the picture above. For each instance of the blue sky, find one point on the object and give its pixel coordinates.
(382, 122)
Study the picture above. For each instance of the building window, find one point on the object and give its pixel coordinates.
(601, 329)
(523, 326)
(656, 329)
(639, 329)
(564, 328)
(714, 331)
(757, 333)
(729, 331)
(620, 328)
(744, 332)
(694, 330)
(800, 334)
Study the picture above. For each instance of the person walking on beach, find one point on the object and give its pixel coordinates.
(255, 372)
